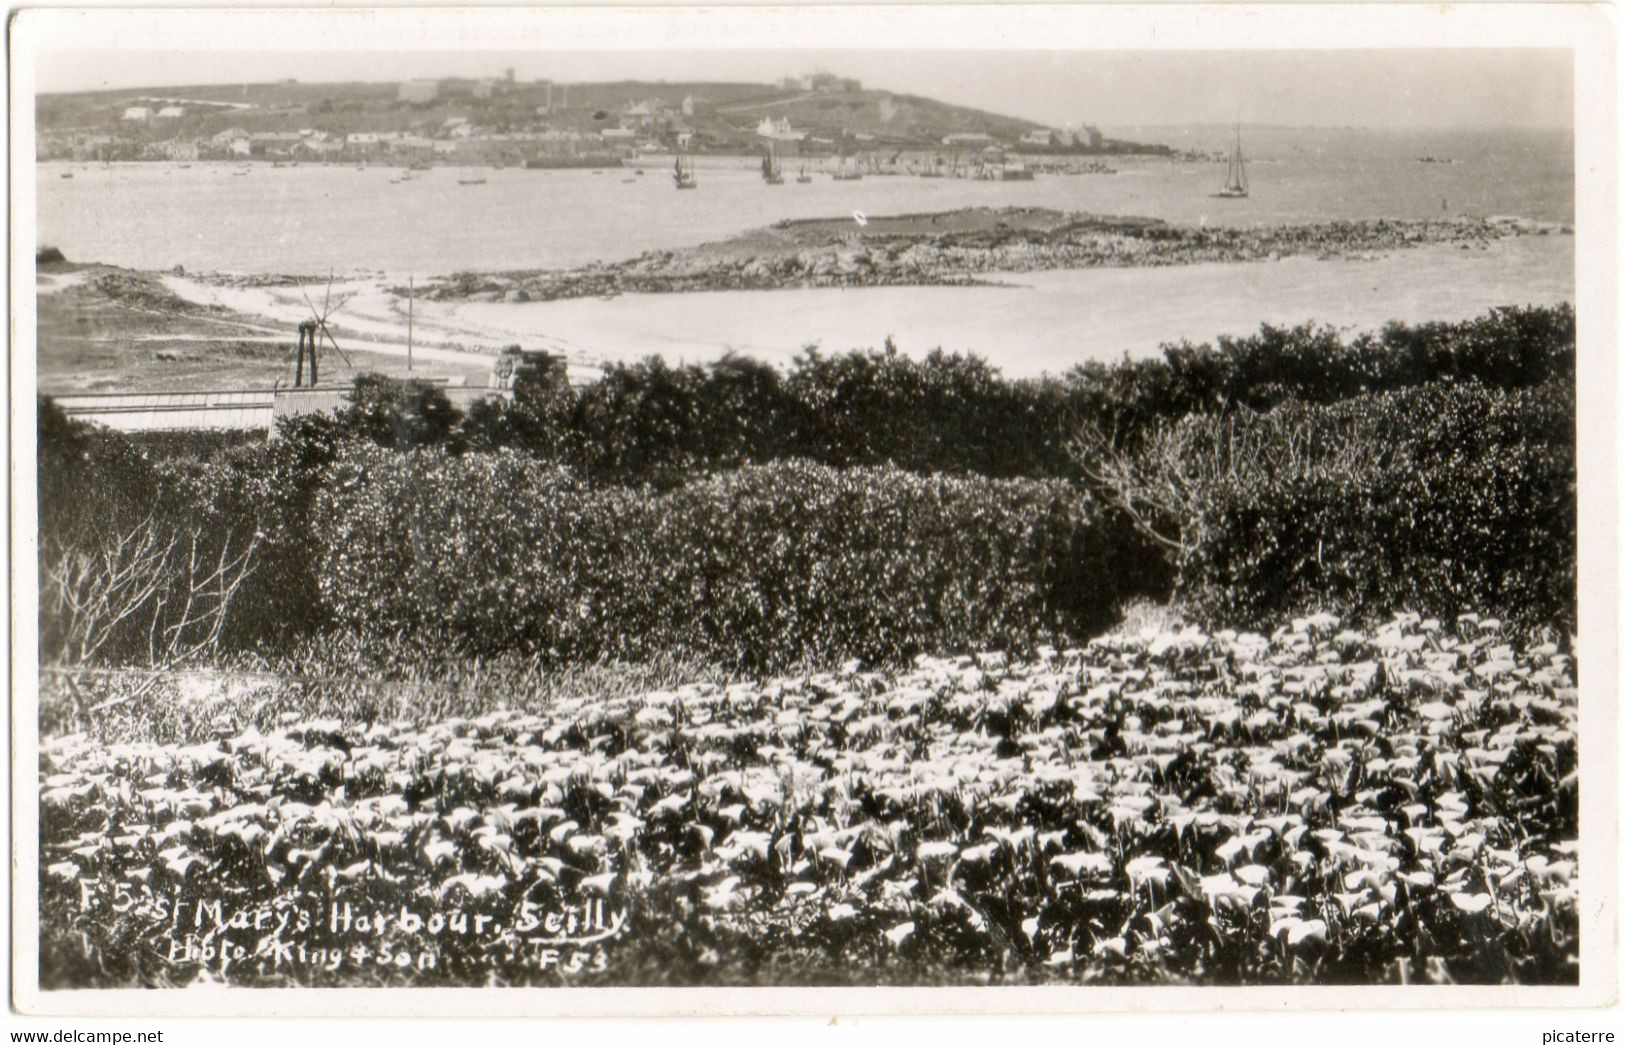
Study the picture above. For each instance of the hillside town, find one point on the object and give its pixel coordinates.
(502, 121)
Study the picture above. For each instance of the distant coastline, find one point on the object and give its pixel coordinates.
(511, 122)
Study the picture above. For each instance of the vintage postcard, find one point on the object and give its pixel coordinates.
(1030, 509)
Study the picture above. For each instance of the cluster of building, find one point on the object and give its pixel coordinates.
(456, 140)
(497, 121)
(1086, 137)
(145, 113)
(822, 83)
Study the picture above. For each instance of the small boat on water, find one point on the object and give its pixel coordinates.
(682, 174)
(67, 174)
(1015, 171)
(1235, 178)
(847, 168)
(471, 181)
(770, 167)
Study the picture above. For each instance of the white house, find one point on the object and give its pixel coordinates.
(138, 114)
(313, 147)
(639, 113)
(778, 130)
(171, 112)
(234, 140)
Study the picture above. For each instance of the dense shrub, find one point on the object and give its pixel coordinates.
(197, 444)
(651, 421)
(130, 570)
(655, 422)
(1284, 482)
(945, 412)
(401, 414)
(762, 567)
(1505, 348)
(797, 561)
(1442, 499)
(490, 551)
(269, 488)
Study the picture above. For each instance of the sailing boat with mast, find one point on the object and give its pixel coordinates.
(1235, 178)
(846, 167)
(683, 172)
(771, 171)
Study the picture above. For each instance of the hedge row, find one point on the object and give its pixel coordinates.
(652, 421)
(760, 568)
(1452, 490)
(1443, 499)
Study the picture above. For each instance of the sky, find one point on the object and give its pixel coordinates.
(1373, 88)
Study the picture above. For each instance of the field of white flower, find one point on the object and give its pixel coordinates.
(1317, 806)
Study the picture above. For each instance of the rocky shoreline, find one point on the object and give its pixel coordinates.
(960, 248)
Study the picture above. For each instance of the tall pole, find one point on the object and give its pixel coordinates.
(409, 295)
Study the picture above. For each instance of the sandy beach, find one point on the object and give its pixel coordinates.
(1026, 323)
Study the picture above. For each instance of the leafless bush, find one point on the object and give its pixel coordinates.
(1164, 480)
(156, 590)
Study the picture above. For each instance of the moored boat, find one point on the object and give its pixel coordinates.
(1235, 178)
(770, 167)
(682, 174)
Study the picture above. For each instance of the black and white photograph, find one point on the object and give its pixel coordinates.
(812, 498)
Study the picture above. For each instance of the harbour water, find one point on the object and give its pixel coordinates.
(377, 229)
(308, 219)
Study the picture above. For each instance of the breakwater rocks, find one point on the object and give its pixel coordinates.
(960, 248)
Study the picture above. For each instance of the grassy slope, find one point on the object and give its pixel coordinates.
(105, 329)
(354, 107)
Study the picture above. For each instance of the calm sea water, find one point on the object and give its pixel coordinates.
(308, 219)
